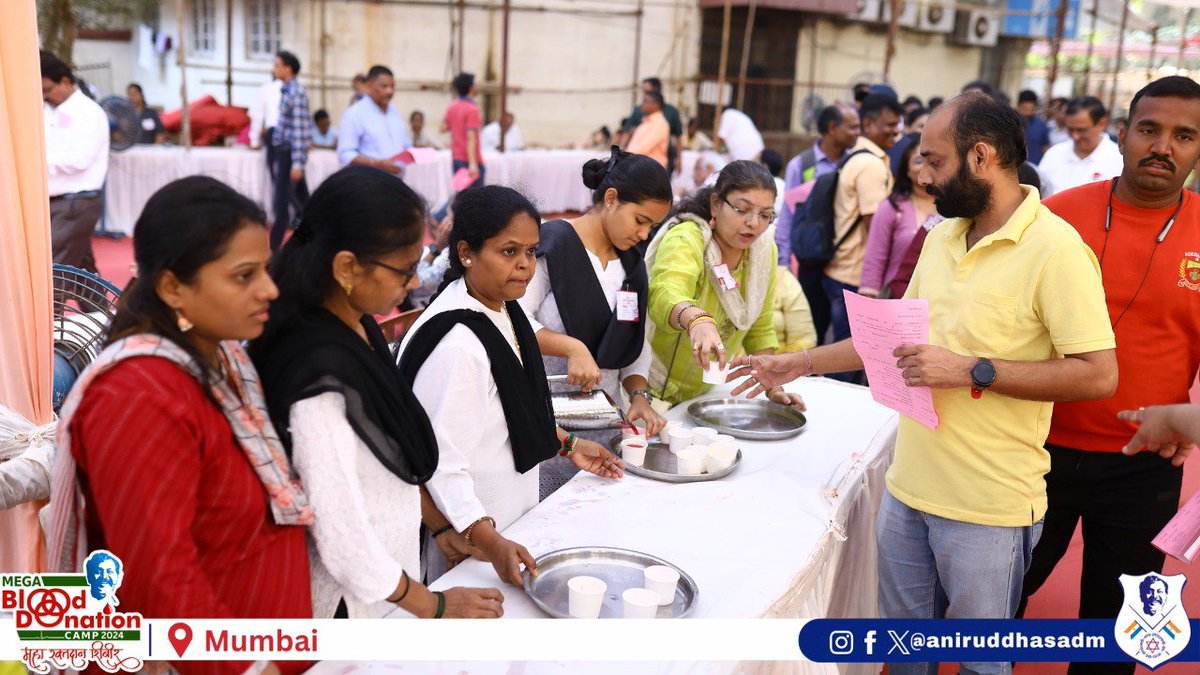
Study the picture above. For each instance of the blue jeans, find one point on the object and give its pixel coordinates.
(934, 568)
(839, 321)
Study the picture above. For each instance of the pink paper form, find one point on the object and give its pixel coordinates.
(879, 327)
(1181, 537)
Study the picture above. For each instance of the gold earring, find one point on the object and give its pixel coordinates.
(348, 287)
(182, 322)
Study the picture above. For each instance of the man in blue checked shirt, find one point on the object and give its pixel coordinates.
(290, 141)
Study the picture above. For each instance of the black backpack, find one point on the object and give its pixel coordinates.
(813, 223)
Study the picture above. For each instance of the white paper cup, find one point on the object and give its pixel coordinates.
(633, 451)
(680, 438)
(725, 438)
(585, 597)
(714, 374)
(704, 435)
(629, 432)
(662, 580)
(640, 603)
(720, 457)
(691, 460)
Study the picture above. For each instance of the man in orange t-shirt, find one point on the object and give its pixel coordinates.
(1149, 252)
(652, 137)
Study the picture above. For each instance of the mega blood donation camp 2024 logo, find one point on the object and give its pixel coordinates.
(70, 620)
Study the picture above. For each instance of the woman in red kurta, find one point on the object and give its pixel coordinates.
(179, 471)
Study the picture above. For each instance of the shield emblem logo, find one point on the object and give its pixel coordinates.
(1152, 626)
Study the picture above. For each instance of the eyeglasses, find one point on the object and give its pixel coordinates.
(747, 214)
(407, 274)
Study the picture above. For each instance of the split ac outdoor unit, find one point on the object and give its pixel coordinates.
(936, 17)
(868, 10)
(979, 28)
(909, 11)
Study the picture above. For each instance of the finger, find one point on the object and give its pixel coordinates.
(514, 569)
(737, 372)
(741, 362)
(757, 391)
(722, 355)
(527, 558)
(906, 350)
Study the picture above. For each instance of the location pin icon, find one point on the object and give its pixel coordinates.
(180, 636)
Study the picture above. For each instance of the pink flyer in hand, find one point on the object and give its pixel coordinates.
(462, 180)
(417, 156)
(1180, 539)
(879, 327)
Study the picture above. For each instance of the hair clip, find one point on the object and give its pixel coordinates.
(613, 158)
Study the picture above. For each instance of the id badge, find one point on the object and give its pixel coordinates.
(627, 306)
(724, 278)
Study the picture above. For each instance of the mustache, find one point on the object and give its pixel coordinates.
(1157, 158)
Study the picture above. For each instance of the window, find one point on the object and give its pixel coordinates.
(263, 27)
(204, 26)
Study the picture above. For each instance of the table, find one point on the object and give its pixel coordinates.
(137, 173)
(812, 555)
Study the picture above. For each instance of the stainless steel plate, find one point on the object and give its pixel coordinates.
(748, 419)
(662, 464)
(620, 568)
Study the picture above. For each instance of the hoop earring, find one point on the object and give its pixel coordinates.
(182, 322)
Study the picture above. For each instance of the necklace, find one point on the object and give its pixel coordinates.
(1161, 236)
(512, 327)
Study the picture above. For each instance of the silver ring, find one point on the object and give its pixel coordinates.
(720, 346)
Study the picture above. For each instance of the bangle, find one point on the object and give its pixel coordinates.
(442, 531)
(677, 319)
(703, 318)
(569, 445)
(441, 609)
(808, 364)
(471, 528)
(407, 587)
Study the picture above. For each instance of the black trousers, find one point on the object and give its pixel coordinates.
(72, 222)
(810, 280)
(1123, 503)
(289, 196)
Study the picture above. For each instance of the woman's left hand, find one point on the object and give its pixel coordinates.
(454, 546)
(640, 409)
(778, 395)
(593, 458)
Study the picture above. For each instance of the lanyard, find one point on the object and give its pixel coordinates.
(1161, 236)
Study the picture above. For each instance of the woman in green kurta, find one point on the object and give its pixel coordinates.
(712, 283)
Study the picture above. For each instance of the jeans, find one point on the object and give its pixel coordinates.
(839, 319)
(812, 278)
(934, 568)
(459, 164)
(1123, 503)
(288, 195)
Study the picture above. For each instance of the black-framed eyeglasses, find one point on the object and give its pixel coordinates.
(407, 274)
(747, 214)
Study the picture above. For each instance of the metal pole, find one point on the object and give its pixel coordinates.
(1087, 63)
(1153, 52)
(1112, 94)
(324, 44)
(741, 97)
(504, 68)
(181, 57)
(458, 52)
(1059, 27)
(637, 53)
(1183, 29)
(229, 52)
(720, 100)
(893, 24)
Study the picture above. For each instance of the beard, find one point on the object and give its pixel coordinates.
(963, 196)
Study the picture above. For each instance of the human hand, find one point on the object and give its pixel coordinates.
(454, 546)
(868, 292)
(766, 372)
(390, 167)
(297, 174)
(934, 367)
(706, 343)
(582, 370)
(591, 457)
(778, 395)
(640, 409)
(1156, 433)
(505, 555)
(473, 172)
(473, 603)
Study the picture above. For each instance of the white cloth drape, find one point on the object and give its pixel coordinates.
(26, 451)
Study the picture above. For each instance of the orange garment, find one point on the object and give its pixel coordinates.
(651, 137)
(1158, 348)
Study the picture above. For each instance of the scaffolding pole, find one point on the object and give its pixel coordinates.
(720, 100)
(1087, 62)
(1059, 28)
(180, 54)
(893, 26)
(1112, 94)
(637, 54)
(1153, 53)
(746, 37)
(503, 69)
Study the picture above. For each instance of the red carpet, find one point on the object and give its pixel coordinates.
(1059, 598)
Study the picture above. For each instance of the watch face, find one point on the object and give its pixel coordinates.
(983, 373)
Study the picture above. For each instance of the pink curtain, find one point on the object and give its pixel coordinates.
(25, 294)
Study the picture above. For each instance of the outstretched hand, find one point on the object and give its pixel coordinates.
(766, 372)
(590, 456)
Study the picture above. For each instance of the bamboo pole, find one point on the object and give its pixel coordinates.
(1153, 53)
(1087, 63)
(720, 100)
(229, 52)
(1183, 29)
(893, 26)
(1059, 28)
(746, 37)
(1112, 93)
(458, 53)
(503, 68)
(181, 57)
(637, 54)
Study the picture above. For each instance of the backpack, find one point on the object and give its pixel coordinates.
(813, 223)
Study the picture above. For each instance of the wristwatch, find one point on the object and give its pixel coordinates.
(644, 393)
(983, 374)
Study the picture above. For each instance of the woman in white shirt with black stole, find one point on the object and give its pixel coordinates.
(474, 362)
(356, 434)
(605, 310)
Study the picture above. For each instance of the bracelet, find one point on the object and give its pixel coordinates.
(441, 610)
(807, 361)
(678, 315)
(407, 587)
(703, 318)
(569, 445)
(442, 531)
(471, 528)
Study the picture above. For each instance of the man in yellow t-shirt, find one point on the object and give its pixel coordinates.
(1017, 319)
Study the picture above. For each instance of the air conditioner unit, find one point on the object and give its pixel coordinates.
(868, 10)
(909, 11)
(936, 17)
(978, 28)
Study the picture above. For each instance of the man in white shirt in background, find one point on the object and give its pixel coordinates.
(506, 125)
(740, 136)
(1091, 156)
(264, 114)
(77, 137)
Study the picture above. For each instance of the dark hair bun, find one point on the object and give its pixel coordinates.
(594, 173)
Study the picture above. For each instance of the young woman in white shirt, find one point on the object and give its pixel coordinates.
(475, 365)
(606, 310)
(357, 436)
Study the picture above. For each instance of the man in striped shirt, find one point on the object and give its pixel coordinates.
(290, 140)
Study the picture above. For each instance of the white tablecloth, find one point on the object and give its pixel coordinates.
(137, 173)
(769, 541)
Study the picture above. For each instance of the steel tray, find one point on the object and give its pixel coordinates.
(620, 568)
(661, 464)
(748, 419)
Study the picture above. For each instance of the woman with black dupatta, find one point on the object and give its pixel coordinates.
(474, 362)
(355, 432)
